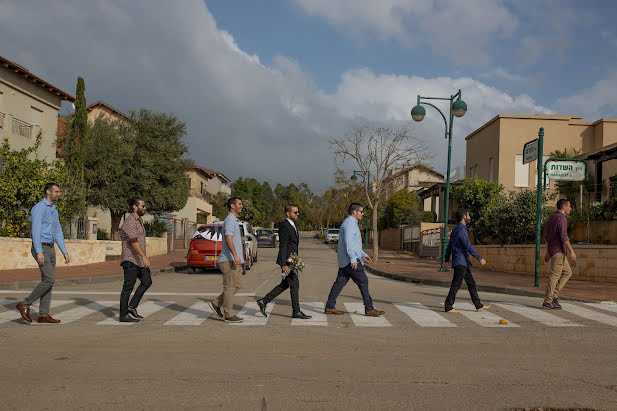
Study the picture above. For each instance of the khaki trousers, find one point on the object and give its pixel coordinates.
(232, 282)
(560, 274)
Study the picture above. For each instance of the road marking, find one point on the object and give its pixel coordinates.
(590, 314)
(9, 301)
(82, 292)
(356, 310)
(251, 314)
(145, 310)
(423, 316)
(195, 315)
(605, 305)
(538, 314)
(84, 310)
(314, 309)
(483, 318)
(14, 314)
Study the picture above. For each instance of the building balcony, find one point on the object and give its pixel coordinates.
(22, 128)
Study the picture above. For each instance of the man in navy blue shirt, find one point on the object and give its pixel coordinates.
(460, 248)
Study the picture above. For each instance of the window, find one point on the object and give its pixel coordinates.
(521, 172)
(35, 116)
(202, 188)
(491, 175)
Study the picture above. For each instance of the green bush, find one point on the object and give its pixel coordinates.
(155, 228)
(428, 217)
(101, 234)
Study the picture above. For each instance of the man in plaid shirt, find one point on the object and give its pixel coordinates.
(134, 261)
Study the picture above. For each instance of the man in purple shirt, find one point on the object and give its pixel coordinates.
(557, 244)
(460, 248)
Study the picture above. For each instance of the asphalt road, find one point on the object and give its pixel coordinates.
(415, 357)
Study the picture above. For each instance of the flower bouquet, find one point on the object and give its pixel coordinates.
(295, 264)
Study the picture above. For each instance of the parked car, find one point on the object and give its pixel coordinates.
(266, 237)
(332, 236)
(276, 233)
(319, 232)
(206, 246)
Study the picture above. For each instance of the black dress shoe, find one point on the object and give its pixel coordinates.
(301, 316)
(262, 307)
(128, 319)
(133, 312)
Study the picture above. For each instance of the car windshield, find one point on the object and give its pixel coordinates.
(264, 232)
(333, 231)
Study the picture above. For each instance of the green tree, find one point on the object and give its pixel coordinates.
(22, 183)
(219, 205)
(479, 197)
(74, 151)
(145, 158)
(402, 208)
(515, 217)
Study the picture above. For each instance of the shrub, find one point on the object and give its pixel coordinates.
(428, 217)
(101, 234)
(155, 228)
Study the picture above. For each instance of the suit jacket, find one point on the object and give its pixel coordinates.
(288, 242)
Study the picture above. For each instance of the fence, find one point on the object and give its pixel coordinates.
(76, 229)
(181, 234)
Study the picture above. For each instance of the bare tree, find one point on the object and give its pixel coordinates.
(376, 151)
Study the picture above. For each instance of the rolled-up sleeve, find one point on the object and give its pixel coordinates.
(129, 230)
(563, 230)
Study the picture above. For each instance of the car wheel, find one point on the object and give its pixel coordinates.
(191, 270)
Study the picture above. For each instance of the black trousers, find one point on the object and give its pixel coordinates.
(462, 272)
(292, 282)
(131, 273)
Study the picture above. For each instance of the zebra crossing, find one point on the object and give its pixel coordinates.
(170, 313)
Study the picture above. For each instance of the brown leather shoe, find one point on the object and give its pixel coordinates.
(333, 311)
(374, 313)
(24, 311)
(48, 319)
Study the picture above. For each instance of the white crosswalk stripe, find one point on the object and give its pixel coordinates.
(424, 316)
(483, 318)
(589, 314)
(8, 302)
(251, 314)
(145, 310)
(195, 315)
(538, 315)
(80, 312)
(356, 311)
(604, 305)
(34, 308)
(316, 310)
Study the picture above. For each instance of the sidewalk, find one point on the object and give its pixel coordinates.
(407, 267)
(67, 274)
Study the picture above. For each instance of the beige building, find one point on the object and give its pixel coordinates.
(29, 104)
(412, 179)
(203, 184)
(495, 150)
(99, 108)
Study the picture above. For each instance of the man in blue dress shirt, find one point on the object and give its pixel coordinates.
(350, 257)
(460, 248)
(45, 231)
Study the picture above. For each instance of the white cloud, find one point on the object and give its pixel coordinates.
(460, 30)
(595, 102)
(243, 117)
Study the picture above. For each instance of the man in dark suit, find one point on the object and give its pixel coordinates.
(288, 244)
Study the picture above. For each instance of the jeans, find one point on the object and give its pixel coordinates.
(48, 278)
(131, 273)
(292, 282)
(462, 272)
(359, 277)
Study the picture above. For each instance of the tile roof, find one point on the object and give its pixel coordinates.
(210, 172)
(10, 65)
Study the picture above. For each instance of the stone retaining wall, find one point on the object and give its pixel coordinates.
(15, 252)
(594, 262)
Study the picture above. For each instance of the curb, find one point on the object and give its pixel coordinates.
(481, 287)
(18, 285)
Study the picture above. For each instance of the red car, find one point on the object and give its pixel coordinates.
(206, 246)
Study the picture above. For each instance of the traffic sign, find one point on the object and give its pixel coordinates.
(530, 151)
(566, 170)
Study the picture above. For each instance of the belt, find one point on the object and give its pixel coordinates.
(48, 244)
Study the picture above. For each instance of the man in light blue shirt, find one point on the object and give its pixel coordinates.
(350, 256)
(230, 261)
(45, 231)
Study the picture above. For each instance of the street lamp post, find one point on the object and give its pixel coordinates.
(458, 108)
(368, 181)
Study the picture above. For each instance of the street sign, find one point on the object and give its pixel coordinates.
(530, 151)
(566, 170)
